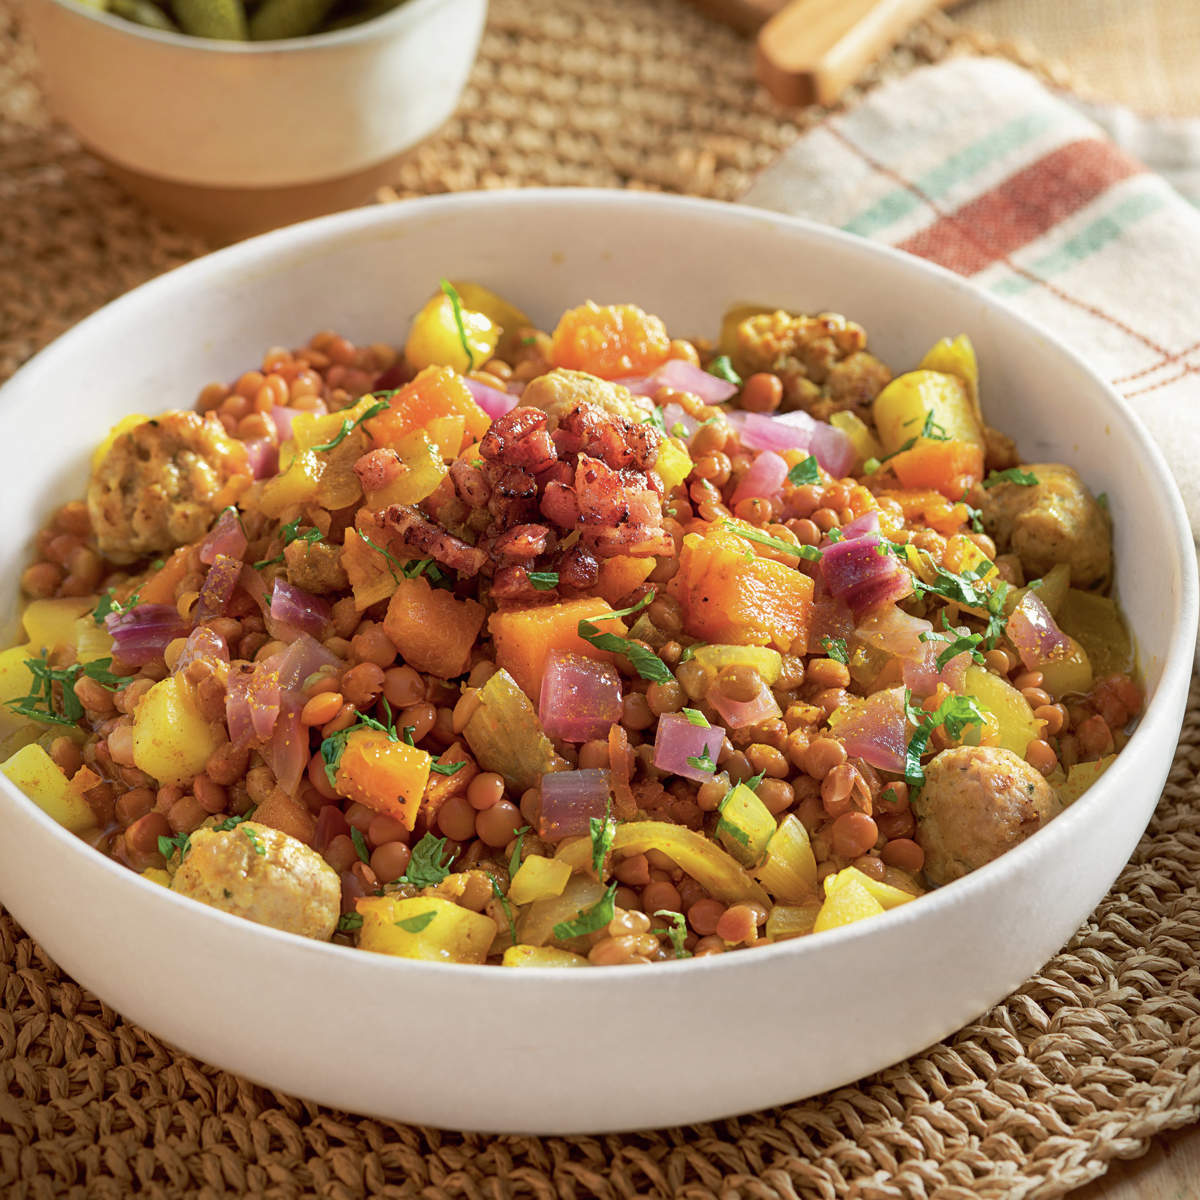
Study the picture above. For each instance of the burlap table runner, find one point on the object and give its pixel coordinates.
(1083, 1064)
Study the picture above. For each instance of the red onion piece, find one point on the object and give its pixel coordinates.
(304, 658)
(867, 523)
(796, 431)
(331, 823)
(569, 800)
(142, 633)
(1034, 632)
(922, 675)
(875, 729)
(493, 401)
(737, 714)
(298, 610)
(833, 449)
(894, 631)
(685, 377)
(286, 752)
(264, 456)
(580, 698)
(263, 698)
(640, 385)
(237, 707)
(678, 739)
(766, 477)
(675, 418)
(202, 642)
(863, 574)
(226, 537)
(218, 587)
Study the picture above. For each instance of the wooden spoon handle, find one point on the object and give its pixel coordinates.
(812, 50)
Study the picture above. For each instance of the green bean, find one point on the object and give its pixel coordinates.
(223, 19)
(288, 18)
(144, 12)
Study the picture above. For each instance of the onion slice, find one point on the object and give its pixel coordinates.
(493, 401)
(875, 729)
(580, 698)
(678, 740)
(569, 801)
(226, 537)
(738, 714)
(864, 574)
(299, 611)
(141, 634)
(1034, 632)
(764, 480)
(218, 587)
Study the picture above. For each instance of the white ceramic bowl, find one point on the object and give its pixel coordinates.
(255, 114)
(626, 1047)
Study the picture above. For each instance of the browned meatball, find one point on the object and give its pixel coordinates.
(1054, 520)
(560, 392)
(161, 483)
(977, 802)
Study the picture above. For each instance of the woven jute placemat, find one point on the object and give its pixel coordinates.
(1088, 1060)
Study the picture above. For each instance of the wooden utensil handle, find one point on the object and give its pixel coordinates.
(812, 50)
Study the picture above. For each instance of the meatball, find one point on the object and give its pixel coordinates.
(1054, 520)
(561, 392)
(159, 484)
(977, 802)
(264, 875)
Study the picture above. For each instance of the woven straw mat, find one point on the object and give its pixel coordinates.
(1085, 1063)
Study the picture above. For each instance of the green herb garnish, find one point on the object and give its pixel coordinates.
(931, 431)
(689, 652)
(676, 931)
(695, 717)
(425, 865)
(333, 747)
(457, 305)
(724, 826)
(444, 768)
(835, 648)
(347, 425)
(514, 859)
(955, 713)
(765, 539)
(702, 761)
(290, 533)
(508, 912)
(591, 919)
(168, 845)
(544, 581)
(602, 830)
(956, 643)
(754, 780)
(360, 844)
(348, 922)
(71, 709)
(722, 368)
(805, 472)
(110, 604)
(963, 589)
(257, 842)
(1012, 475)
(417, 923)
(645, 662)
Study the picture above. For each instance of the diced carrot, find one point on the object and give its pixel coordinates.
(432, 629)
(441, 788)
(388, 776)
(436, 392)
(729, 594)
(949, 467)
(620, 575)
(160, 587)
(609, 341)
(524, 637)
(287, 814)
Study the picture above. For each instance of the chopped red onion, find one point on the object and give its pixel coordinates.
(640, 385)
(218, 587)
(304, 658)
(737, 714)
(569, 800)
(875, 729)
(237, 707)
(141, 634)
(298, 610)
(894, 631)
(264, 456)
(867, 523)
(676, 418)
(580, 698)
(1034, 632)
(922, 675)
(764, 479)
(685, 377)
(864, 574)
(493, 401)
(286, 751)
(331, 823)
(226, 537)
(796, 431)
(678, 739)
(202, 642)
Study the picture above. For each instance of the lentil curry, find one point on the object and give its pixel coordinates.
(584, 647)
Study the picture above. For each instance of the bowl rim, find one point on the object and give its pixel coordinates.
(1157, 722)
(393, 21)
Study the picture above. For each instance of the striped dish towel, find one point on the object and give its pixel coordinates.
(974, 165)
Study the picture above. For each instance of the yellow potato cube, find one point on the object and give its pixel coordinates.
(91, 641)
(171, 740)
(885, 893)
(674, 464)
(157, 875)
(435, 340)
(538, 878)
(477, 298)
(902, 408)
(16, 682)
(846, 904)
(1016, 724)
(41, 779)
(428, 928)
(542, 956)
(50, 623)
(856, 429)
(956, 356)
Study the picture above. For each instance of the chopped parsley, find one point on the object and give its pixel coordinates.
(835, 648)
(645, 662)
(805, 472)
(334, 746)
(347, 425)
(695, 717)
(232, 822)
(508, 913)
(963, 589)
(689, 652)
(544, 581)
(676, 931)
(417, 923)
(956, 643)
(425, 865)
(590, 919)
(110, 604)
(167, 846)
(41, 704)
(656, 419)
(456, 304)
(931, 431)
(602, 831)
(514, 860)
(1012, 475)
(955, 713)
(722, 368)
(702, 761)
(360, 844)
(444, 768)
(290, 533)
(754, 780)
(257, 842)
(724, 826)
(765, 539)
(348, 922)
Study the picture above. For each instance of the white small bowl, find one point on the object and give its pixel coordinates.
(255, 116)
(543, 1051)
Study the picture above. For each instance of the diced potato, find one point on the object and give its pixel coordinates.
(15, 683)
(865, 444)
(844, 905)
(901, 409)
(425, 927)
(790, 870)
(956, 356)
(963, 557)
(171, 740)
(767, 662)
(537, 878)
(542, 956)
(1081, 777)
(885, 893)
(745, 826)
(674, 464)
(447, 435)
(41, 779)
(157, 875)
(792, 920)
(91, 641)
(50, 623)
(435, 340)
(1015, 720)
(1052, 588)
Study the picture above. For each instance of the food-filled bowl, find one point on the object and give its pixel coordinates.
(235, 137)
(570, 1051)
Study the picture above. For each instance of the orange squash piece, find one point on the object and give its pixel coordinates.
(386, 776)
(731, 595)
(620, 575)
(160, 587)
(949, 467)
(436, 392)
(610, 341)
(433, 630)
(524, 637)
(372, 576)
(930, 507)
